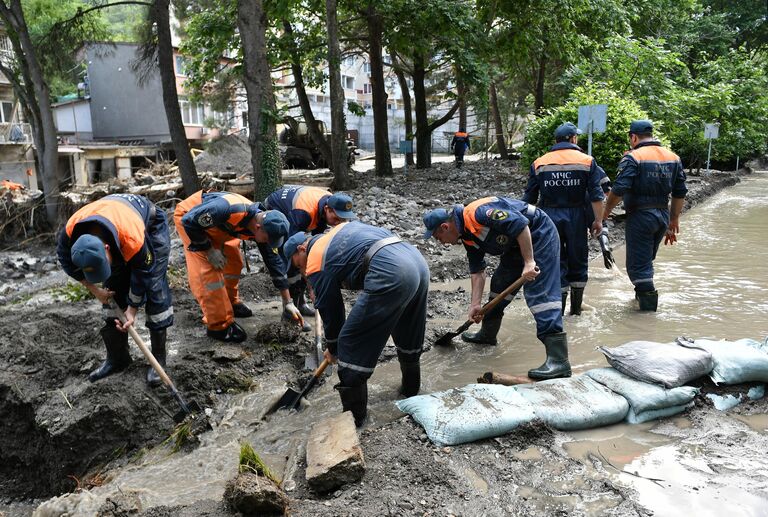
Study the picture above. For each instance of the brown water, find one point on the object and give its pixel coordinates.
(712, 284)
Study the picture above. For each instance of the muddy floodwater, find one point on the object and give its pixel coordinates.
(712, 283)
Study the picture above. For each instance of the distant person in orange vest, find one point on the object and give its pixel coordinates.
(122, 240)
(460, 145)
(211, 226)
(648, 175)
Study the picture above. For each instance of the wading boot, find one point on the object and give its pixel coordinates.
(354, 399)
(577, 295)
(557, 364)
(411, 378)
(232, 334)
(241, 310)
(305, 309)
(648, 300)
(489, 329)
(157, 337)
(565, 299)
(118, 357)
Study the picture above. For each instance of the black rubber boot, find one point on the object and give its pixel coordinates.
(648, 300)
(411, 378)
(577, 295)
(489, 329)
(232, 334)
(118, 357)
(158, 338)
(300, 302)
(241, 310)
(565, 299)
(557, 364)
(354, 399)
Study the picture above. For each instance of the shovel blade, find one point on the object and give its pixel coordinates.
(187, 409)
(287, 401)
(446, 339)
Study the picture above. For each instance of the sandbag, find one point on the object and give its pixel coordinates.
(467, 414)
(667, 364)
(735, 362)
(574, 403)
(646, 401)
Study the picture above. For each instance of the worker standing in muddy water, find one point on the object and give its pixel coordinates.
(211, 226)
(648, 175)
(122, 240)
(394, 278)
(460, 145)
(527, 241)
(308, 209)
(559, 181)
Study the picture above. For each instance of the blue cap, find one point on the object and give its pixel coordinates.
(641, 127)
(566, 130)
(295, 240)
(434, 218)
(89, 255)
(276, 226)
(342, 205)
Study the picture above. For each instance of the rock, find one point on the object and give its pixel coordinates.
(251, 494)
(334, 455)
(225, 353)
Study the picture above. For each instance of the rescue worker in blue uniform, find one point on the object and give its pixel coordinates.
(394, 278)
(527, 241)
(308, 209)
(211, 226)
(648, 175)
(558, 182)
(460, 145)
(122, 240)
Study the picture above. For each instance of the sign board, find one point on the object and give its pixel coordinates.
(711, 131)
(406, 146)
(595, 113)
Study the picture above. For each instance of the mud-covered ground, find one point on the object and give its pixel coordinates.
(60, 433)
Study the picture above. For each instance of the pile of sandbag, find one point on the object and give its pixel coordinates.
(646, 381)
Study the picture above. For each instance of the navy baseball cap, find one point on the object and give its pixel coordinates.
(292, 244)
(434, 218)
(89, 255)
(567, 130)
(342, 205)
(641, 127)
(276, 226)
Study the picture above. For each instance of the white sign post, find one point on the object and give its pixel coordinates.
(711, 131)
(592, 119)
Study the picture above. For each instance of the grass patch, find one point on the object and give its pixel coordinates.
(71, 292)
(180, 436)
(251, 462)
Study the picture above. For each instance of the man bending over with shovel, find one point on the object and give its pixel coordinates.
(394, 278)
(123, 241)
(529, 246)
(211, 226)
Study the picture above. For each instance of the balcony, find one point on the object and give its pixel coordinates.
(15, 133)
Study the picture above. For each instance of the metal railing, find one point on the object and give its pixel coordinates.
(15, 133)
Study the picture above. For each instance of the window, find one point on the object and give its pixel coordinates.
(367, 67)
(320, 99)
(367, 88)
(192, 113)
(6, 112)
(348, 81)
(181, 66)
(349, 61)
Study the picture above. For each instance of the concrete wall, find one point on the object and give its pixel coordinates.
(15, 161)
(120, 108)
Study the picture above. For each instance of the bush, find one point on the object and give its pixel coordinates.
(608, 147)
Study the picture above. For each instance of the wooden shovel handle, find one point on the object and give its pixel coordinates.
(143, 347)
(506, 292)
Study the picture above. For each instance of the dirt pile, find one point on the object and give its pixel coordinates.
(228, 154)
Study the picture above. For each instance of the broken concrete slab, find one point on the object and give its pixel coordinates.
(251, 494)
(334, 454)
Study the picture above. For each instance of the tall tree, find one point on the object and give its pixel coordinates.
(380, 124)
(338, 123)
(252, 22)
(405, 91)
(494, 106)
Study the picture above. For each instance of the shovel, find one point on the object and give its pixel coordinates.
(312, 361)
(186, 408)
(291, 399)
(608, 259)
(445, 340)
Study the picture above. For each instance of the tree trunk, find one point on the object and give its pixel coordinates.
(462, 113)
(187, 168)
(306, 108)
(500, 141)
(380, 124)
(423, 135)
(542, 73)
(340, 152)
(44, 127)
(262, 135)
(407, 109)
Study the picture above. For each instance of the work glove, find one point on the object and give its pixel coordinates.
(216, 258)
(290, 312)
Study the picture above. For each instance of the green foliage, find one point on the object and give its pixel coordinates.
(607, 147)
(71, 292)
(251, 462)
(355, 108)
(180, 436)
